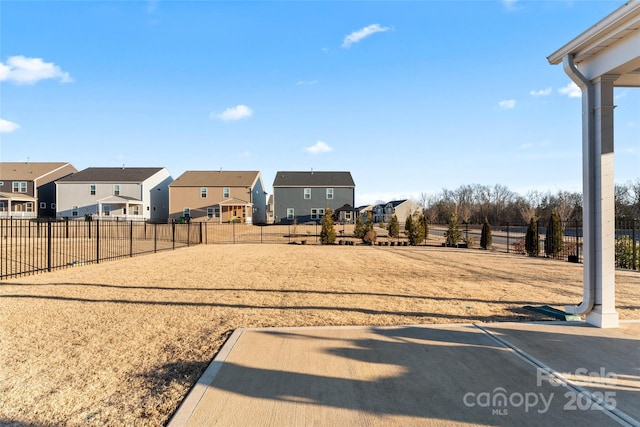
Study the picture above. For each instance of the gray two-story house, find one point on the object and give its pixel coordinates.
(304, 196)
(132, 193)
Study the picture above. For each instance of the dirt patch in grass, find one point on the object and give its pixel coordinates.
(121, 343)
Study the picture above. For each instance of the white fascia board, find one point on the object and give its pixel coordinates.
(622, 19)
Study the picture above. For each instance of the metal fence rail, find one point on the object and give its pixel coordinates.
(28, 246)
(32, 246)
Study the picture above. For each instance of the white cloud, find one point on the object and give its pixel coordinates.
(572, 90)
(510, 5)
(152, 6)
(234, 113)
(529, 145)
(541, 92)
(365, 32)
(319, 147)
(306, 82)
(23, 70)
(507, 104)
(7, 127)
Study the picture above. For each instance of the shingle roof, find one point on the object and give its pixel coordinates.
(216, 179)
(313, 179)
(29, 171)
(112, 175)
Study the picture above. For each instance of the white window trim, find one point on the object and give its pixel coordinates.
(20, 187)
(226, 192)
(329, 193)
(116, 189)
(93, 189)
(292, 215)
(203, 192)
(307, 193)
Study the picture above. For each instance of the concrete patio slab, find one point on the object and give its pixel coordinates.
(489, 374)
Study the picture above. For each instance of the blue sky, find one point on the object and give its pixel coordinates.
(411, 97)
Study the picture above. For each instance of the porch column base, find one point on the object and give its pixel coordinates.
(601, 319)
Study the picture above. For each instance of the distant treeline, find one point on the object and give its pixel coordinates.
(473, 203)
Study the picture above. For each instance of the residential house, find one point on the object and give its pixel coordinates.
(304, 196)
(28, 190)
(346, 214)
(136, 193)
(218, 196)
(400, 208)
(270, 209)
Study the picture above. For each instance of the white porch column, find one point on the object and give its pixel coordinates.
(599, 236)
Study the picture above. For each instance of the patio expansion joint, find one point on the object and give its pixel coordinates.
(614, 413)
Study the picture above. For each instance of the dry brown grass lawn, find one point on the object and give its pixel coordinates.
(122, 342)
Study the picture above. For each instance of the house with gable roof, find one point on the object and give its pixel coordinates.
(129, 193)
(402, 209)
(218, 196)
(304, 196)
(28, 190)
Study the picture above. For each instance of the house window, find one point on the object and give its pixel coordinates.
(106, 210)
(226, 192)
(186, 212)
(329, 193)
(53, 205)
(317, 213)
(29, 206)
(347, 215)
(307, 193)
(1, 183)
(203, 192)
(135, 210)
(290, 213)
(3, 207)
(74, 211)
(92, 189)
(43, 205)
(20, 187)
(213, 212)
(116, 190)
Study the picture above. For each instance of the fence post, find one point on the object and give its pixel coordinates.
(130, 238)
(97, 241)
(233, 228)
(188, 233)
(507, 237)
(173, 235)
(633, 245)
(155, 237)
(49, 245)
(66, 228)
(577, 243)
(538, 237)
(200, 233)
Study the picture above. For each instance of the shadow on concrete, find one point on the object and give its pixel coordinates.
(448, 375)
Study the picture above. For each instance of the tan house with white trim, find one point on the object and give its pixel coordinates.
(218, 196)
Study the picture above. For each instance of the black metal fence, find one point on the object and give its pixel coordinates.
(32, 246)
